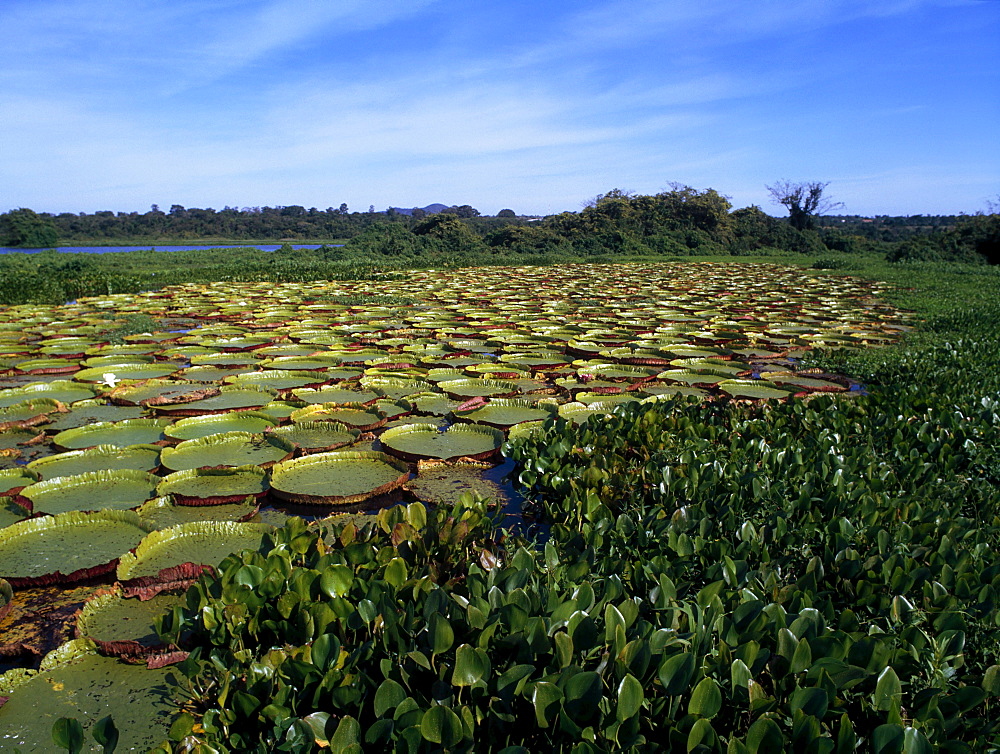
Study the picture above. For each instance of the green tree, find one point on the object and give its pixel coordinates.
(506, 213)
(26, 228)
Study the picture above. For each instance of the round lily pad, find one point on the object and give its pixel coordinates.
(122, 489)
(506, 412)
(120, 434)
(473, 387)
(193, 427)
(67, 547)
(414, 442)
(11, 512)
(314, 437)
(162, 555)
(124, 627)
(278, 379)
(98, 458)
(29, 413)
(163, 512)
(118, 372)
(227, 449)
(14, 480)
(756, 389)
(337, 478)
(86, 686)
(140, 393)
(214, 486)
(89, 412)
(58, 390)
(335, 394)
(356, 415)
(229, 398)
(47, 366)
(693, 377)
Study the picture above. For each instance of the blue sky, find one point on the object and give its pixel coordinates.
(535, 106)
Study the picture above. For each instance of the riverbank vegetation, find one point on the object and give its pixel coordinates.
(616, 227)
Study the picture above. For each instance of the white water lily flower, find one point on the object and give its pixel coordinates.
(110, 379)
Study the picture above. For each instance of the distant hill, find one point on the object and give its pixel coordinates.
(430, 209)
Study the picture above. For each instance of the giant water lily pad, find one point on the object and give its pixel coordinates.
(473, 387)
(63, 391)
(89, 412)
(119, 372)
(755, 389)
(214, 486)
(506, 412)
(100, 457)
(227, 449)
(68, 547)
(75, 681)
(29, 413)
(193, 427)
(229, 398)
(163, 512)
(47, 366)
(314, 437)
(337, 478)
(11, 512)
(356, 415)
(167, 556)
(121, 489)
(278, 379)
(14, 480)
(122, 626)
(414, 442)
(693, 377)
(335, 394)
(149, 390)
(120, 434)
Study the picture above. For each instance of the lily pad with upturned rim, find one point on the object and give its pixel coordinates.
(337, 478)
(63, 391)
(163, 512)
(754, 389)
(227, 449)
(415, 442)
(11, 511)
(124, 627)
(317, 437)
(357, 415)
(167, 558)
(121, 489)
(504, 413)
(479, 388)
(85, 413)
(12, 481)
(156, 371)
(75, 681)
(120, 434)
(229, 398)
(100, 457)
(67, 548)
(193, 427)
(231, 484)
(335, 394)
(134, 395)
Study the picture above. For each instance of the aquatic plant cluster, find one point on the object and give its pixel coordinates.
(744, 555)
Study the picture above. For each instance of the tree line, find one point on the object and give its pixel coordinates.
(679, 221)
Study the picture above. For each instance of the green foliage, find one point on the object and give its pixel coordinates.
(27, 229)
